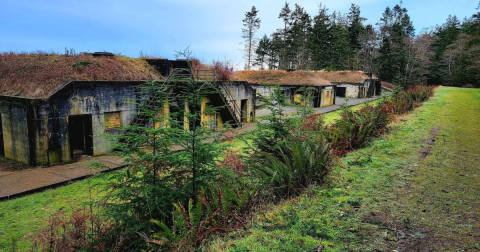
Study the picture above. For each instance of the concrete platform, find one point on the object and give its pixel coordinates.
(18, 183)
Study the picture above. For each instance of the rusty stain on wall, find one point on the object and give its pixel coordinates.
(112, 120)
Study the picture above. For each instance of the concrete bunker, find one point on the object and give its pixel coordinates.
(55, 122)
(297, 87)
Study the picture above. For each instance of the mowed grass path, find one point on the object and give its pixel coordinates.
(406, 191)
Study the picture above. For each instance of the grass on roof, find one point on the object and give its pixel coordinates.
(300, 77)
(38, 75)
(280, 77)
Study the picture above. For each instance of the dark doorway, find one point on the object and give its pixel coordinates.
(378, 87)
(2, 148)
(177, 114)
(80, 131)
(195, 120)
(243, 107)
(341, 91)
(316, 98)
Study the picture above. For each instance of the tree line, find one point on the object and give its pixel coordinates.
(446, 55)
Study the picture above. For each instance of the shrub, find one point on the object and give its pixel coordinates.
(214, 211)
(313, 122)
(223, 70)
(81, 230)
(403, 101)
(301, 162)
(234, 162)
(355, 128)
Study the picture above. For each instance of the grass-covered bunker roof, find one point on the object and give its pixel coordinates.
(309, 78)
(281, 77)
(344, 76)
(39, 75)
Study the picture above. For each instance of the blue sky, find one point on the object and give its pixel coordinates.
(212, 28)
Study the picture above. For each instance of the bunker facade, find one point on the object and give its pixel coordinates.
(79, 117)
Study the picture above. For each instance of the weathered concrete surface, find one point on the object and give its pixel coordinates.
(15, 131)
(339, 101)
(14, 182)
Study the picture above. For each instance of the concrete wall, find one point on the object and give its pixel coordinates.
(328, 97)
(359, 90)
(291, 95)
(241, 90)
(37, 131)
(352, 90)
(15, 130)
(89, 98)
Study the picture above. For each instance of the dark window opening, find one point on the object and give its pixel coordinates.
(81, 134)
(341, 91)
(316, 99)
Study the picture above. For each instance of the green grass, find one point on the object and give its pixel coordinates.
(19, 217)
(331, 117)
(23, 216)
(385, 196)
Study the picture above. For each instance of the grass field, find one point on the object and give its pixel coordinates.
(414, 189)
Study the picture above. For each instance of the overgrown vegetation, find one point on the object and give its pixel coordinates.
(153, 203)
(387, 196)
(39, 74)
(176, 200)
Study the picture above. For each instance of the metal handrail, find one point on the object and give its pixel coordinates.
(237, 112)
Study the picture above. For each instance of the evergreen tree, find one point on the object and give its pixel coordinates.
(298, 33)
(320, 39)
(355, 30)
(156, 175)
(446, 34)
(251, 24)
(262, 51)
(339, 42)
(275, 52)
(285, 16)
(395, 27)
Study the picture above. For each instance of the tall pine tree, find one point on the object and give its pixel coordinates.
(251, 24)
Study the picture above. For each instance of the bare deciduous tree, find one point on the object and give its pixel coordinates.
(419, 54)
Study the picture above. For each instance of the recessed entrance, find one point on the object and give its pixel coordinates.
(243, 106)
(341, 91)
(81, 134)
